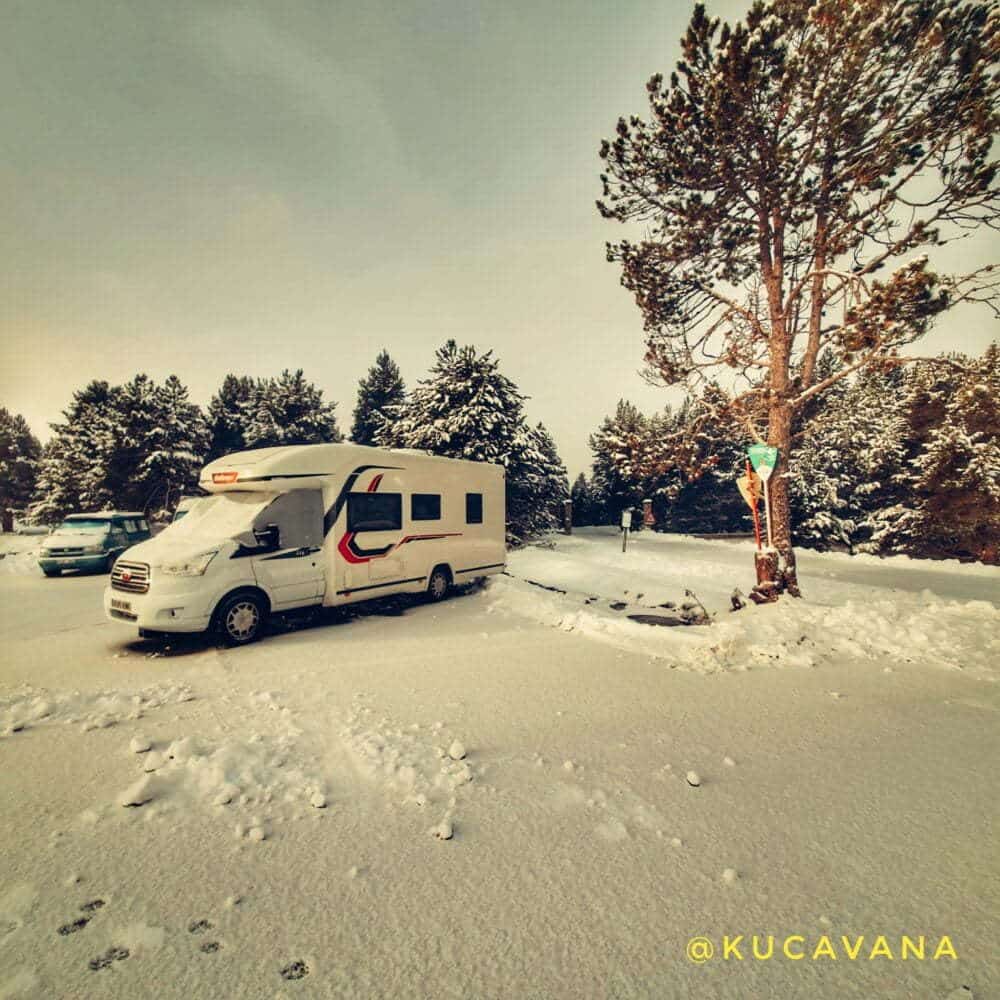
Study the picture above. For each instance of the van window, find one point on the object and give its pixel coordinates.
(473, 508)
(425, 507)
(143, 526)
(130, 527)
(374, 511)
(298, 516)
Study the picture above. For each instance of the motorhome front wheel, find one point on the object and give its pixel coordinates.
(241, 619)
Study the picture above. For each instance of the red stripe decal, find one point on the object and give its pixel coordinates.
(373, 485)
(343, 547)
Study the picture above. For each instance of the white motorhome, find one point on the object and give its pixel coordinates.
(303, 525)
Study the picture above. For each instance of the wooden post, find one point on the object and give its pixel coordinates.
(567, 517)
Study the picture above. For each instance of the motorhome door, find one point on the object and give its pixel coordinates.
(370, 547)
(287, 558)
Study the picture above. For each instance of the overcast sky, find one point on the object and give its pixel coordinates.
(202, 189)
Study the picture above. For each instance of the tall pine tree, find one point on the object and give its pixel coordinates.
(380, 394)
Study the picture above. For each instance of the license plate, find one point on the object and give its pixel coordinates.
(121, 605)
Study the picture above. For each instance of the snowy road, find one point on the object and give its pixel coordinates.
(284, 846)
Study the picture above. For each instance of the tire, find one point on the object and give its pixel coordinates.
(241, 619)
(109, 563)
(52, 572)
(438, 584)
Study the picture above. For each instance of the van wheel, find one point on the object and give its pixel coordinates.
(241, 619)
(109, 563)
(438, 584)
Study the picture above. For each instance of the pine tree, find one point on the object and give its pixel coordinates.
(20, 453)
(263, 413)
(135, 447)
(174, 448)
(380, 395)
(621, 448)
(585, 504)
(289, 410)
(537, 486)
(951, 478)
(76, 468)
(227, 414)
(786, 175)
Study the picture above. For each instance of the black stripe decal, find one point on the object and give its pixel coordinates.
(292, 554)
(358, 551)
(330, 517)
(292, 475)
(376, 586)
(473, 569)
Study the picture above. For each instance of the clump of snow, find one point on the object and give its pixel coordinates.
(138, 794)
(445, 830)
(457, 750)
(139, 744)
(693, 779)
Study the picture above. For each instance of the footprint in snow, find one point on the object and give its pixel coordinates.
(74, 926)
(199, 926)
(92, 906)
(210, 947)
(295, 970)
(104, 961)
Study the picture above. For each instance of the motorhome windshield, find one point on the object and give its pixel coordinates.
(222, 515)
(85, 524)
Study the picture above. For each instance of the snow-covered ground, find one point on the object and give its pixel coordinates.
(183, 820)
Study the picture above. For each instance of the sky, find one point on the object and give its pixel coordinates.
(200, 188)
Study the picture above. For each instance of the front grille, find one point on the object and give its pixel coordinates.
(124, 615)
(65, 552)
(137, 575)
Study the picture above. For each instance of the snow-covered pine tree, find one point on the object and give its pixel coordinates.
(20, 453)
(466, 408)
(537, 485)
(289, 410)
(950, 505)
(130, 447)
(620, 447)
(380, 394)
(700, 454)
(174, 448)
(227, 415)
(74, 474)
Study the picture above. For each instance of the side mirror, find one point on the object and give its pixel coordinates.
(269, 536)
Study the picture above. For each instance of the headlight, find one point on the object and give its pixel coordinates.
(192, 566)
(94, 548)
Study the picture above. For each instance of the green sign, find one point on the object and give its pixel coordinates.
(763, 458)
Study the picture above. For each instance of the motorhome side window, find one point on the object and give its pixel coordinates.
(374, 511)
(473, 508)
(425, 507)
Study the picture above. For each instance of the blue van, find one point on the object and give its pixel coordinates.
(92, 541)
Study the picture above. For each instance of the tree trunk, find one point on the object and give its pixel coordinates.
(776, 572)
(7, 519)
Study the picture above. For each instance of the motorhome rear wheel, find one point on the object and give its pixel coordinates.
(437, 586)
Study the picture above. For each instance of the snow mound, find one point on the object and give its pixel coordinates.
(900, 611)
(405, 763)
(29, 708)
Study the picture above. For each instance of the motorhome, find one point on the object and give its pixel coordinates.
(302, 525)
